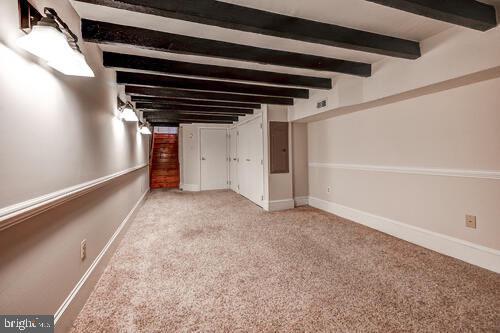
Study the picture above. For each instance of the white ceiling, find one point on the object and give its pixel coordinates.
(359, 14)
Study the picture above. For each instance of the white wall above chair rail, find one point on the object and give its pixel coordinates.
(22, 211)
(446, 58)
(481, 174)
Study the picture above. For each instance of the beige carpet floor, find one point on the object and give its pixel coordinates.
(214, 262)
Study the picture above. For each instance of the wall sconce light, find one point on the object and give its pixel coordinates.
(127, 111)
(51, 40)
(144, 129)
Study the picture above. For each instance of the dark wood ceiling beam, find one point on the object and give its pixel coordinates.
(151, 114)
(175, 116)
(196, 102)
(151, 80)
(165, 124)
(188, 120)
(468, 13)
(200, 108)
(160, 112)
(166, 92)
(117, 60)
(161, 123)
(109, 33)
(236, 17)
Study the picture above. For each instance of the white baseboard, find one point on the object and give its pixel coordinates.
(469, 252)
(277, 205)
(190, 187)
(301, 201)
(69, 309)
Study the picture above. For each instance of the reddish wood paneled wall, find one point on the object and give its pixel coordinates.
(165, 161)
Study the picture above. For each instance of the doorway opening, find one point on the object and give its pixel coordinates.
(164, 164)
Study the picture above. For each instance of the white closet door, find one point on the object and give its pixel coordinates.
(250, 152)
(233, 159)
(213, 151)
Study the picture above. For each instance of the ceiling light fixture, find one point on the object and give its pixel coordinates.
(128, 114)
(52, 40)
(144, 129)
(127, 111)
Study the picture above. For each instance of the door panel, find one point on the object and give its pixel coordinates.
(233, 159)
(213, 164)
(250, 153)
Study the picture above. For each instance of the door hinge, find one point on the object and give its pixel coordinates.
(261, 198)
(238, 133)
(260, 125)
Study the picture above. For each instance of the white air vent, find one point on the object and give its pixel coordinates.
(321, 104)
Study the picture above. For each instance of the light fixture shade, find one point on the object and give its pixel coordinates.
(72, 64)
(45, 42)
(145, 130)
(128, 114)
(51, 45)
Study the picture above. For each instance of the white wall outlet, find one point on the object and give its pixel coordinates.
(329, 189)
(470, 221)
(83, 249)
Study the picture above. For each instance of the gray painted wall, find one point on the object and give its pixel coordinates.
(56, 132)
(456, 129)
